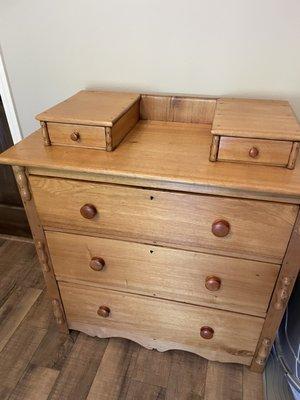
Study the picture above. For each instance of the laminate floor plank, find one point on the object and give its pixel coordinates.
(114, 372)
(143, 391)
(40, 378)
(252, 385)
(14, 311)
(187, 377)
(16, 355)
(79, 370)
(224, 381)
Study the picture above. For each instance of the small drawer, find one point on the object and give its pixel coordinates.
(172, 274)
(259, 151)
(77, 135)
(161, 324)
(242, 228)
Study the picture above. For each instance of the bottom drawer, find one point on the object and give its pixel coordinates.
(161, 324)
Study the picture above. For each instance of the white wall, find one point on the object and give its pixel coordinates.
(53, 48)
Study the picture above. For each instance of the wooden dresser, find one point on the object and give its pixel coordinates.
(160, 241)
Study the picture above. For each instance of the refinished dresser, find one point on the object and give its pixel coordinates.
(168, 220)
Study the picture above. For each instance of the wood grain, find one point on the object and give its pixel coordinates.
(39, 237)
(79, 370)
(165, 273)
(265, 119)
(149, 158)
(289, 270)
(122, 126)
(158, 217)
(90, 108)
(161, 324)
(89, 136)
(177, 108)
(271, 152)
(35, 377)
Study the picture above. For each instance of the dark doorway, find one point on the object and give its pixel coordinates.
(13, 219)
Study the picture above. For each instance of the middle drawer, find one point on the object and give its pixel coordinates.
(243, 228)
(203, 279)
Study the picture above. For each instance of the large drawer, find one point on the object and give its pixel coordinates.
(197, 278)
(162, 324)
(244, 228)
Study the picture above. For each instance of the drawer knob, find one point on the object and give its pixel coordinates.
(97, 263)
(253, 152)
(212, 283)
(88, 211)
(103, 311)
(75, 136)
(220, 228)
(206, 332)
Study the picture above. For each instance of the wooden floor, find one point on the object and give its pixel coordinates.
(37, 362)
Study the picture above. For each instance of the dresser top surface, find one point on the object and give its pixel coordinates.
(91, 108)
(268, 119)
(169, 154)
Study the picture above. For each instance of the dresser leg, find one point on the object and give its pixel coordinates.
(41, 247)
(283, 289)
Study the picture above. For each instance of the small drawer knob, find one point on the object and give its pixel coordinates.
(103, 311)
(75, 136)
(253, 152)
(220, 228)
(206, 332)
(97, 263)
(212, 283)
(88, 211)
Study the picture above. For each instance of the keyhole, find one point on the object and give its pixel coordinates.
(151, 197)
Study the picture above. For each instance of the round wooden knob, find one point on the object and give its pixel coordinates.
(75, 136)
(206, 332)
(212, 283)
(88, 211)
(97, 263)
(103, 311)
(253, 152)
(220, 228)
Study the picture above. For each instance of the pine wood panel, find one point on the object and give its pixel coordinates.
(265, 119)
(259, 230)
(177, 108)
(166, 155)
(162, 324)
(165, 273)
(90, 136)
(91, 108)
(271, 152)
(125, 124)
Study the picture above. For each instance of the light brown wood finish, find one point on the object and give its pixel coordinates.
(173, 219)
(164, 273)
(288, 273)
(269, 152)
(124, 125)
(90, 108)
(89, 136)
(39, 237)
(293, 155)
(177, 108)
(264, 119)
(162, 324)
(149, 157)
(37, 351)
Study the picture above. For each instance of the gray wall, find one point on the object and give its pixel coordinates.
(53, 48)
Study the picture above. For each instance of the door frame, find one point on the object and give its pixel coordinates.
(8, 103)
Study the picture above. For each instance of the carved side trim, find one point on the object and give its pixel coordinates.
(108, 138)
(43, 255)
(45, 133)
(282, 293)
(22, 182)
(57, 311)
(263, 351)
(214, 148)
